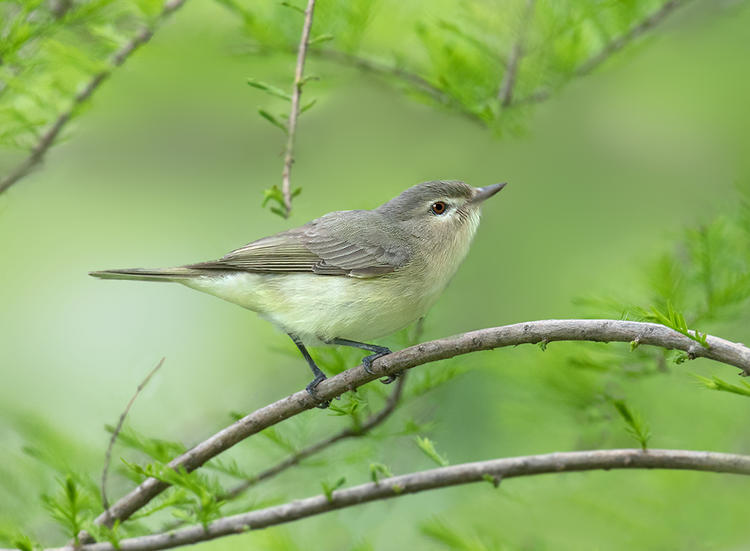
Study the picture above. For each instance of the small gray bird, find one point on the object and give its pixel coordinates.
(349, 276)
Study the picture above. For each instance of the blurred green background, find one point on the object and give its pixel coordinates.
(167, 166)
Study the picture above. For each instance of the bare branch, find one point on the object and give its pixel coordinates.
(615, 45)
(286, 187)
(349, 432)
(505, 92)
(492, 471)
(48, 138)
(116, 433)
(594, 330)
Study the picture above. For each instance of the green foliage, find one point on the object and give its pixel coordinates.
(715, 383)
(675, 320)
(428, 448)
(274, 193)
(329, 488)
(378, 470)
(351, 405)
(49, 49)
(271, 90)
(459, 59)
(155, 448)
(635, 425)
(19, 540)
(71, 507)
(203, 503)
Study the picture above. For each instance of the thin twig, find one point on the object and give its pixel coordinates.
(651, 334)
(48, 138)
(454, 475)
(632, 34)
(286, 187)
(612, 47)
(116, 433)
(418, 82)
(505, 92)
(374, 66)
(349, 432)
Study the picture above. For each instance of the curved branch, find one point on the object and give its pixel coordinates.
(118, 428)
(47, 139)
(718, 349)
(492, 471)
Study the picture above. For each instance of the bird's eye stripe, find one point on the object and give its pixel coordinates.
(438, 207)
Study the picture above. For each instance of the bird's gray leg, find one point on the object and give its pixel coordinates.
(319, 375)
(379, 352)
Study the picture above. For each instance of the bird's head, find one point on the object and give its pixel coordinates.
(441, 207)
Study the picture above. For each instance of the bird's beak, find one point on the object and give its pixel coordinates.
(482, 193)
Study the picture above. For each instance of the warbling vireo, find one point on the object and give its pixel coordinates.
(349, 276)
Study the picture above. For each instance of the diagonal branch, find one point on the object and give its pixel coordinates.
(349, 432)
(614, 46)
(491, 471)
(546, 331)
(48, 138)
(286, 187)
(632, 34)
(505, 92)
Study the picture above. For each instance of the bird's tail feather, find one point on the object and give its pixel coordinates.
(149, 274)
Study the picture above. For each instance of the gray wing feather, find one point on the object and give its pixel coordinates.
(348, 243)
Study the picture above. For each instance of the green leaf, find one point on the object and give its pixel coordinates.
(70, 507)
(328, 489)
(635, 425)
(273, 120)
(271, 90)
(714, 383)
(278, 211)
(377, 470)
(320, 39)
(428, 447)
(675, 320)
(307, 106)
(293, 7)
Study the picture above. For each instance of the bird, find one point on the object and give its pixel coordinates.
(348, 277)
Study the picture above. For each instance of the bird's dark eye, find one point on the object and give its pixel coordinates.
(438, 208)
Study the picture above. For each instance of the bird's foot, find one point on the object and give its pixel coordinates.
(391, 378)
(311, 391)
(367, 360)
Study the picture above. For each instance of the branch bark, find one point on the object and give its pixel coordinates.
(48, 138)
(615, 45)
(505, 92)
(492, 471)
(286, 187)
(632, 34)
(595, 330)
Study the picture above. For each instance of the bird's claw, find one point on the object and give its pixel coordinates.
(390, 378)
(367, 360)
(310, 388)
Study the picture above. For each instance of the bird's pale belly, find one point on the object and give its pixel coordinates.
(318, 308)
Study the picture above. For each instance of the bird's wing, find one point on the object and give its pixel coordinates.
(349, 243)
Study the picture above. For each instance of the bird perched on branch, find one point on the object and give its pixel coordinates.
(349, 276)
